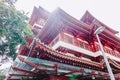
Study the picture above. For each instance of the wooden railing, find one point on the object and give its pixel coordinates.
(82, 44)
(112, 52)
(71, 40)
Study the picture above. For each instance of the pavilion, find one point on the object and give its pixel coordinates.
(66, 49)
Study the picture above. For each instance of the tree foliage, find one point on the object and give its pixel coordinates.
(13, 29)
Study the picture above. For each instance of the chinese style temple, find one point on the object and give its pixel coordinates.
(66, 49)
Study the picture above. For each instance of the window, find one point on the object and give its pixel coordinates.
(68, 39)
(76, 43)
(86, 46)
(81, 44)
(41, 22)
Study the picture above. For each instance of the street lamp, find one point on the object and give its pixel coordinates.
(99, 30)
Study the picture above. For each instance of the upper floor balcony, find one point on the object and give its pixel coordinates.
(76, 44)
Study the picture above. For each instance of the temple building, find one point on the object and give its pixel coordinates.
(65, 48)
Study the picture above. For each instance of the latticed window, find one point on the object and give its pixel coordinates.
(112, 52)
(116, 53)
(68, 39)
(81, 44)
(76, 43)
(97, 48)
(86, 46)
(41, 22)
(107, 51)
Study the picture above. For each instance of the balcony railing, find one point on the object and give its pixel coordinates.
(82, 44)
(69, 39)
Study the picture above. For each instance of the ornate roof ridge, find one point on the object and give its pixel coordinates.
(58, 54)
(88, 14)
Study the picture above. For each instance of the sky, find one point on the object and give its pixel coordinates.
(107, 11)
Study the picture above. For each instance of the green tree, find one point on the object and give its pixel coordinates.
(10, 2)
(13, 29)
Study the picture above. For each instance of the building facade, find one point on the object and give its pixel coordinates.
(66, 49)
